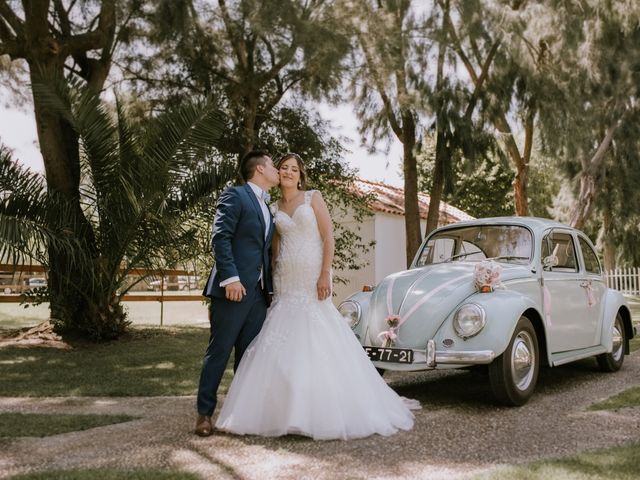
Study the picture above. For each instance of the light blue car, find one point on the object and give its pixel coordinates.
(513, 293)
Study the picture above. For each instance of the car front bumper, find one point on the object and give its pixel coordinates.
(430, 358)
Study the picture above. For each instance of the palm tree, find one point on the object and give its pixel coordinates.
(142, 186)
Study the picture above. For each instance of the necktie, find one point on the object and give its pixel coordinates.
(266, 197)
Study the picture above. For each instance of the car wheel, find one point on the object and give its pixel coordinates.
(611, 362)
(513, 375)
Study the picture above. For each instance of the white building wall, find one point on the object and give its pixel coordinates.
(386, 257)
(365, 276)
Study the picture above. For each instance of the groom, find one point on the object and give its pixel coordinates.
(240, 281)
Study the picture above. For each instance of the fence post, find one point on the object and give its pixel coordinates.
(161, 299)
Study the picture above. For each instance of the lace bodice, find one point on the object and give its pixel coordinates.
(299, 260)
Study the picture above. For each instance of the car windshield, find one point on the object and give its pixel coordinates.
(502, 243)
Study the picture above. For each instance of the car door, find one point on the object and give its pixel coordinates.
(570, 321)
(595, 287)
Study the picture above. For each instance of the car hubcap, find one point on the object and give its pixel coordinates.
(617, 341)
(522, 360)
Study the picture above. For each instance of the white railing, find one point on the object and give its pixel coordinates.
(627, 280)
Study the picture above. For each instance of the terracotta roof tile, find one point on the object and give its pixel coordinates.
(390, 199)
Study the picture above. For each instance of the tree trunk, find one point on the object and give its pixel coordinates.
(435, 195)
(520, 189)
(608, 245)
(410, 170)
(442, 150)
(585, 201)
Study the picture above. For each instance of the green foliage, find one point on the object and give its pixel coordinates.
(626, 399)
(620, 462)
(143, 362)
(141, 186)
(44, 425)
(482, 186)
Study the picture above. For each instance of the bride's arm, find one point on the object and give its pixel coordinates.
(328, 244)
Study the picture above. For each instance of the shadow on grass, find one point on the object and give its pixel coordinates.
(44, 425)
(107, 474)
(145, 362)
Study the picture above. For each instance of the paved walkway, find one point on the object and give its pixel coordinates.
(458, 432)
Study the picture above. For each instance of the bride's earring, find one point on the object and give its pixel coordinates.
(299, 186)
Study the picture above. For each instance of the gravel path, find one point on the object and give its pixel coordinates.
(458, 432)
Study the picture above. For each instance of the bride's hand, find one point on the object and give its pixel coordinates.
(324, 286)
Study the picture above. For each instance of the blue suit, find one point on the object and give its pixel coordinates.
(240, 249)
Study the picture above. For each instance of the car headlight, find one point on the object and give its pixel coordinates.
(468, 320)
(351, 311)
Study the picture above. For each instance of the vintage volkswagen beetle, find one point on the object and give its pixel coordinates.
(513, 293)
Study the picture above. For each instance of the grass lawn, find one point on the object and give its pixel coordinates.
(621, 463)
(108, 474)
(145, 362)
(43, 425)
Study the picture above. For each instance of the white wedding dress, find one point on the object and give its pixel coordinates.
(306, 373)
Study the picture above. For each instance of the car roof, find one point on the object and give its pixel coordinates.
(536, 224)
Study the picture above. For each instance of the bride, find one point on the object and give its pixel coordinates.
(306, 373)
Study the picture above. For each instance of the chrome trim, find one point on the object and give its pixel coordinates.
(477, 357)
(456, 323)
(358, 310)
(430, 357)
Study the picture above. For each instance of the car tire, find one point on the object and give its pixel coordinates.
(612, 362)
(514, 374)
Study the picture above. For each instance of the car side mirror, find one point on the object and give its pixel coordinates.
(549, 262)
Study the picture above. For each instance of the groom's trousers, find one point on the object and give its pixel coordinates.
(233, 325)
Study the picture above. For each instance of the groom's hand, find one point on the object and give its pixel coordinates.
(234, 291)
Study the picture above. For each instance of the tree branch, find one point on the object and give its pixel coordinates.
(388, 109)
(63, 18)
(235, 38)
(13, 49)
(101, 37)
(457, 47)
(9, 16)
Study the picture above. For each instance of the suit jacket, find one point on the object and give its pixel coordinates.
(239, 244)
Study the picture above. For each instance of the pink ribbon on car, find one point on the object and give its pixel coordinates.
(394, 321)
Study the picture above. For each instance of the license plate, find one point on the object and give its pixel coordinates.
(395, 355)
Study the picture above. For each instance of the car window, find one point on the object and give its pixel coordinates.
(437, 250)
(562, 248)
(503, 243)
(591, 263)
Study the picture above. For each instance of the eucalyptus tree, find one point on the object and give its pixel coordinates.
(507, 61)
(389, 90)
(595, 125)
(255, 55)
(140, 188)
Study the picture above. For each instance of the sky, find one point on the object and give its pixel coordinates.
(18, 132)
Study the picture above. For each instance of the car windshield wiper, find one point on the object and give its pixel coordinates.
(509, 257)
(460, 255)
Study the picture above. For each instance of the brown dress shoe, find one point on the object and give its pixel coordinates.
(203, 426)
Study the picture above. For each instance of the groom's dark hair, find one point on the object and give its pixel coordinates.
(250, 161)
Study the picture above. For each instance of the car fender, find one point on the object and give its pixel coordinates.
(615, 302)
(363, 299)
(503, 309)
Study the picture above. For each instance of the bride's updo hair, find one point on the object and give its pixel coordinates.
(302, 184)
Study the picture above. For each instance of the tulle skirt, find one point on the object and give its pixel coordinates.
(306, 374)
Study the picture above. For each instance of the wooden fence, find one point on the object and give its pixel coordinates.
(14, 280)
(627, 280)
